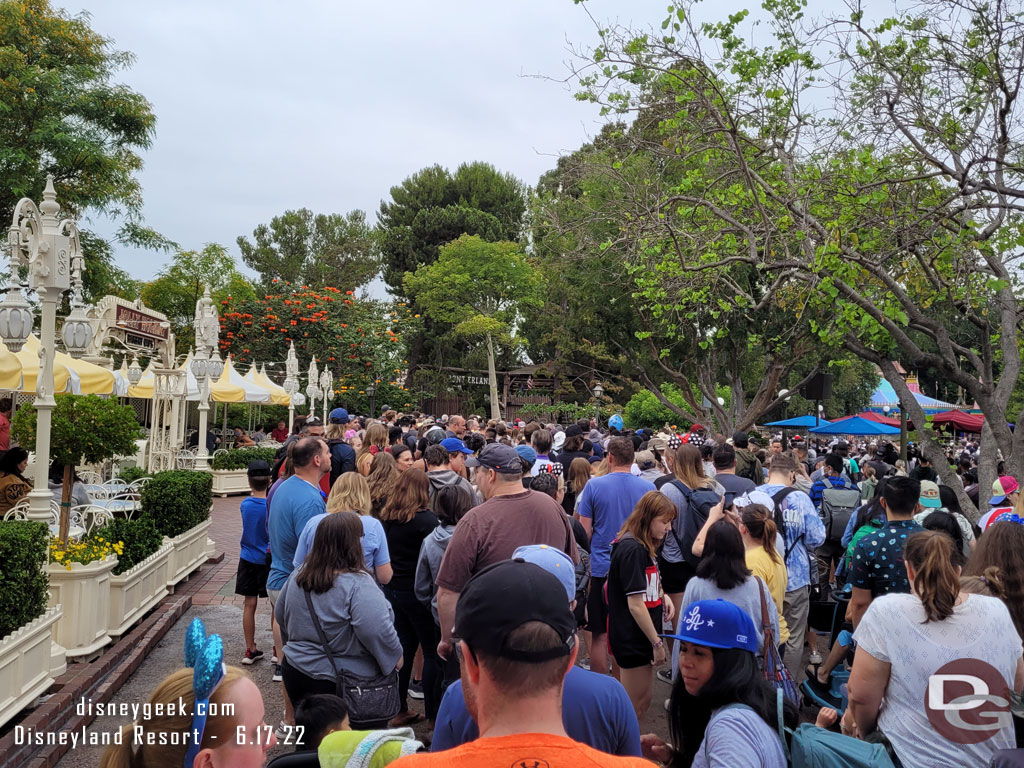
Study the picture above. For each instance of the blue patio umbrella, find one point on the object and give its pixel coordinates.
(797, 422)
(854, 425)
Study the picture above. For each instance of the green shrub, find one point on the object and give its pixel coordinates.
(178, 500)
(139, 537)
(24, 585)
(239, 458)
(131, 474)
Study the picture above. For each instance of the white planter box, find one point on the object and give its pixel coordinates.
(229, 481)
(25, 663)
(84, 591)
(190, 550)
(137, 590)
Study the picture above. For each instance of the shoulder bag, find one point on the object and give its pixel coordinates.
(367, 698)
(775, 672)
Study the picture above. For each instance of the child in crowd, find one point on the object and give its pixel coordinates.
(323, 718)
(254, 558)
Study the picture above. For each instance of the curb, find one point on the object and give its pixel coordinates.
(98, 680)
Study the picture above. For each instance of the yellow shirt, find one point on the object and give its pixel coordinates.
(774, 575)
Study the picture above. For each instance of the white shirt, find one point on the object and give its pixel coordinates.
(979, 632)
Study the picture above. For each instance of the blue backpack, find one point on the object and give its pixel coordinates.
(812, 747)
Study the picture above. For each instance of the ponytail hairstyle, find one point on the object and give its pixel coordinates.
(171, 720)
(761, 526)
(989, 583)
(936, 579)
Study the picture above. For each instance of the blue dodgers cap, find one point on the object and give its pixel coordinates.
(339, 416)
(717, 624)
(527, 454)
(552, 560)
(454, 445)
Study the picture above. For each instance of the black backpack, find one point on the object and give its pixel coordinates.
(837, 506)
(780, 519)
(698, 508)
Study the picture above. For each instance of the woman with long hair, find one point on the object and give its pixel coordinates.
(723, 575)
(904, 640)
(758, 532)
(159, 737)
(694, 494)
(579, 473)
(351, 611)
(717, 671)
(407, 522)
(403, 457)
(375, 441)
(382, 478)
(635, 598)
(351, 495)
(1002, 547)
(14, 486)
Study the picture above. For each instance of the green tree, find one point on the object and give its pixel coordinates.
(484, 289)
(890, 210)
(179, 285)
(86, 429)
(431, 208)
(323, 249)
(62, 112)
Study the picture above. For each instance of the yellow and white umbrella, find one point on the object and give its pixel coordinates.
(277, 394)
(28, 357)
(254, 393)
(10, 370)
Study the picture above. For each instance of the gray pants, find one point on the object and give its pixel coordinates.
(795, 609)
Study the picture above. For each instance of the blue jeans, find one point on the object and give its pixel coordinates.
(415, 626)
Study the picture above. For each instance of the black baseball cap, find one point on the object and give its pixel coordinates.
(258, 468)
(572, 430)
(499, 457)
(505, 596)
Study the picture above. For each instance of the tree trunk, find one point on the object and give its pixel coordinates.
(65, 505)
(492, 380)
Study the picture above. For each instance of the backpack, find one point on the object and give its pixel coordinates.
(747, 467)
(838, 504)
(780, 518)
(699, 502)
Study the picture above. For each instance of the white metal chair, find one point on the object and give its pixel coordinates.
(186, 459)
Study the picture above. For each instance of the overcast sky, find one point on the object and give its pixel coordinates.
(267, 106)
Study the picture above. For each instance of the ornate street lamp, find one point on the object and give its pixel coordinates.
(77, 330)
(786, 396)
(312, 388)
(326, 388)
(291, 383)
(598, 392)
(206, 365)
(50, 249)
(134, 371)
(371, 390)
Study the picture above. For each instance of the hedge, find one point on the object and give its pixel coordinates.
(178, 500)
(131, 474)
(24, 585)
(239, 458)
(139, 536)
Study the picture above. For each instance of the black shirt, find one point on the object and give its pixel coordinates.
(404, 540)
(632, 571)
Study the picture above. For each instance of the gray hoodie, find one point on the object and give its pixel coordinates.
(431, 553)
(439, 478)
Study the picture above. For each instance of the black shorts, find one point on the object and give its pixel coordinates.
(251, 579)
(597, 609)
(633, 660)
(674, 576)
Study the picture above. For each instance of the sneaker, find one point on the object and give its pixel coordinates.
(273, 656)
(665, 675)
(277, 676)
(251, 657)
(584, 664)
(416, 689)
(283, 730)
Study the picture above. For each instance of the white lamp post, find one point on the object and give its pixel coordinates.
(598, 391)
(312, 388)
(134, 371)
(50, 248)
(206, 364)
(291, 383)
(326, 389)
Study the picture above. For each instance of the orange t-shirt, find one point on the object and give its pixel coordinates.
(522, 750)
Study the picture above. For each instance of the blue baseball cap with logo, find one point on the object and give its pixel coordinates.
(455, 445)
(339, 416)
(552, 560)
(717, 624)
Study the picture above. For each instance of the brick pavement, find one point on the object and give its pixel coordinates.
(226, 532)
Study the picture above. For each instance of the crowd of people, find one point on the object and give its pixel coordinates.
(533, 584)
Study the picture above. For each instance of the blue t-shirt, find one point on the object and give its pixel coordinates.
(255, 538)
(375, 543)
(294, 502)
(595, 711)
(608, 501)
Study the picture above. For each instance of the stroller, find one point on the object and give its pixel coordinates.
(827, 618)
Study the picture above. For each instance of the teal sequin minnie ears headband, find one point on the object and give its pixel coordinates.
(206, 656)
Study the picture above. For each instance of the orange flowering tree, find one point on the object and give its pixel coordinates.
(359, 340)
